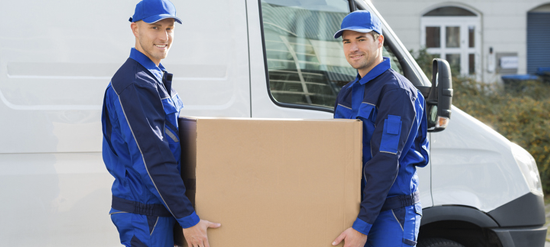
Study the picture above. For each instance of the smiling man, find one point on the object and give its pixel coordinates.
(154, 39)
(141, 146)
(394, 138)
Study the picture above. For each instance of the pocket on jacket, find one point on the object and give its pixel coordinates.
(342, 111)
(391, 134)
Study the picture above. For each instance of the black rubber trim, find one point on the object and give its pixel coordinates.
(457, 213)
(527, 210)
(520, 237)
(352, 5)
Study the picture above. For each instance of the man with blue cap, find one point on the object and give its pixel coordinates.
(141, 147)
(394, 138)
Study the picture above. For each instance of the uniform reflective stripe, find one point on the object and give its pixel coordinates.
(344, 106)
(399, 222)
(141, 152)
(364, 102)
(154, 227)
(171, 135)
(119, 212)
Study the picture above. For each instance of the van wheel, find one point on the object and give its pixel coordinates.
(438, 242)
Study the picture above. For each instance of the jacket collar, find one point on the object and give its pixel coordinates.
(375, 72)
(157, 71)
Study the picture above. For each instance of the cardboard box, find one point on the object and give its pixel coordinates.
(273, 182)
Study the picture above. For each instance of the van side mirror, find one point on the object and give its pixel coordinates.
(440, 97)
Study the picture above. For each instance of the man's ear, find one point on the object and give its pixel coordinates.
(134, 27)
(380, 41)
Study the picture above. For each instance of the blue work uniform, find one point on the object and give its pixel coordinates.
(395, 142)
(141, 150)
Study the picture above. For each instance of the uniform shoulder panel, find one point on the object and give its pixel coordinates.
(132, 73)
(394, 80)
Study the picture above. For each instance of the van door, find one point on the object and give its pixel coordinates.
(209, 58)
(302, 65)
(298, 68)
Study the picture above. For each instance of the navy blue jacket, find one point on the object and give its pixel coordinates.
(141, 146)
(395, 137)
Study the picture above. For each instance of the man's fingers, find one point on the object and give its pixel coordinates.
(196, 236)
(214, 225)
(193, 244)
(339, 238)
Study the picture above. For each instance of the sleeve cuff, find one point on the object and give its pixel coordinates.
(361, 226)
(189, 221)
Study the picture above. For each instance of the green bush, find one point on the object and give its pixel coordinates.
(520, 112)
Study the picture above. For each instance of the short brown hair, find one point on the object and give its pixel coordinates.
(375, 35)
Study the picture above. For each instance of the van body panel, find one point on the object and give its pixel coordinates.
(51, 69)
(470, 153)
(55, 199)
(209, 58)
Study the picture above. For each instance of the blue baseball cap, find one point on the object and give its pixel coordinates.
(151, 11)
(360, 21)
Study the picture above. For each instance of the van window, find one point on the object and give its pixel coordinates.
(306, 65)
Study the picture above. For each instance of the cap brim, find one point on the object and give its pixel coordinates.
(356, 29)
(157, 18)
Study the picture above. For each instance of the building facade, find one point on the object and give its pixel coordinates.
(484, 39)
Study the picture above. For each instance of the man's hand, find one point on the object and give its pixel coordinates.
(196, 235)
(352, 238)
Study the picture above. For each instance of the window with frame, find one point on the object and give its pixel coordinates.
(450, 33)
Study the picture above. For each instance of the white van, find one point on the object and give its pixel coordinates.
(230, 58)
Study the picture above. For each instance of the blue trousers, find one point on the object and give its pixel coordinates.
(396, 227)
(138, 230)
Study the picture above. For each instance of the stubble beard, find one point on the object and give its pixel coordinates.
(151, 53)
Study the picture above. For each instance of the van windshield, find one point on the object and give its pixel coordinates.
(306, 65)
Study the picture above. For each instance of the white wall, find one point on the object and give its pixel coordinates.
(503, 24)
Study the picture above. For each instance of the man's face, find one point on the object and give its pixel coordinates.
(155, 39)
(362, 51)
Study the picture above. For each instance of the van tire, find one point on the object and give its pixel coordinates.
(438, 242)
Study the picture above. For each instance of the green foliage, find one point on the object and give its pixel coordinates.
(520, 112)
(424, 60)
